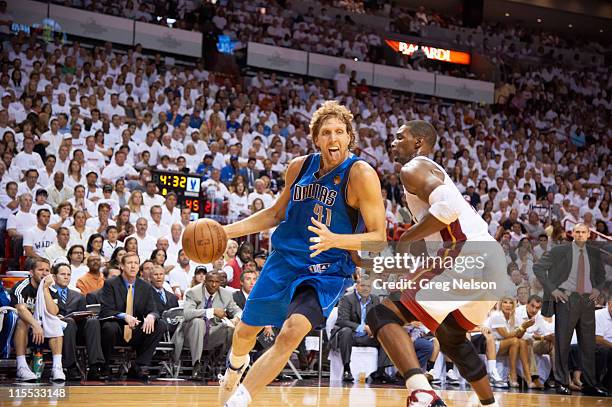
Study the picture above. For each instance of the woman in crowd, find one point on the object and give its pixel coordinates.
(131, 245)
(115, 258)
(230, 250)
(62, 217)
(508, 336)
(79, 233)
(74, 176)
(525, 259)
(124, 227)
(94, 245)
(238, 203)
(257, 205)
(120, 194)
(100, 146)
(159, 257)
(137, 208)
(198, 276)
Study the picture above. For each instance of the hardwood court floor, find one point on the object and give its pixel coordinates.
(285, 396)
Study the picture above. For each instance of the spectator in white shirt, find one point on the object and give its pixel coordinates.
(118, 169)
(30, 185)
(80, 203)
(79, 232)
(45, 176)
(28, 158)
(170, 213)
(111, 243)
(214, 189)
(76, 255)
(175, 242)
(260, 193)
(60, 248)
(93, 158)
(181, 275)
(92, 191)
(146, 244)
(102, 221)
(40, 237)
(341, 80)
(156, 228)
(151, 197)
(23, 220)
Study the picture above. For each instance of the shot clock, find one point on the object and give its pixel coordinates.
(186, 187)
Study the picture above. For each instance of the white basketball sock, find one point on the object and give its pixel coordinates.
(21, 362)
(57, 361)
(417, 382)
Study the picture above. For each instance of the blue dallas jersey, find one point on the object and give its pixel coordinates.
(290, 265)
(321, 198)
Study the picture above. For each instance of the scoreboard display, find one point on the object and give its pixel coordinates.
(186, 187)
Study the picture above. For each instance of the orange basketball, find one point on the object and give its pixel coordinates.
(204, 241)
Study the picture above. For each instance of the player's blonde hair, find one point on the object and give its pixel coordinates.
(330, 109)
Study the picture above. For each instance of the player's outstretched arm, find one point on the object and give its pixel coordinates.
(272, 216)
(363, 194)
(422, 178)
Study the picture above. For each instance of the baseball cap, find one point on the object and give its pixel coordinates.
(527, 196)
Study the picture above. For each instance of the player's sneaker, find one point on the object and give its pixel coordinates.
(230, 380)
(424, 398)
(24, 374)
(496, 380)
(57, 374)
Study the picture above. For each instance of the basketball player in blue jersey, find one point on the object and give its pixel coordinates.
(330, 196)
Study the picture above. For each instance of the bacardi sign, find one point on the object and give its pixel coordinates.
(438, 54)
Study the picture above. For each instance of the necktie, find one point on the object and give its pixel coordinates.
(129, 310)
(581, 273)
(208, 305)
(162, 295)
(64, 295)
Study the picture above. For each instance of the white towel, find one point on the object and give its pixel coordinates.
(51, 324)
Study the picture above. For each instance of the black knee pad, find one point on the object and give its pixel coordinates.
(379, 316)
(455, 345)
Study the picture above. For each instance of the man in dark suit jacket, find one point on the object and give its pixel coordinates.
(138, 327)
(351, 329)
(247, 282)
(274, 176)
(164, 299)
(79, 330)
(250, 174)
(573, 276)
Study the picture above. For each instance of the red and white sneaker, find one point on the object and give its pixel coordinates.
(424, 398)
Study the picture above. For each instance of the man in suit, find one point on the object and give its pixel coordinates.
(83, 330)
(351, 330)
(247, 282)
(250, 174)
(275, 182)
(164, 299)
(206, 307)
(130, 316)
(573, 276)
